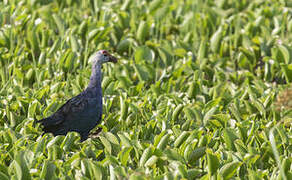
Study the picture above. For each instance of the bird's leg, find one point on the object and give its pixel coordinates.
(98, 131)
(95, 134)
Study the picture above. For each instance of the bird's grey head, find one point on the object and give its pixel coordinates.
(102, 56)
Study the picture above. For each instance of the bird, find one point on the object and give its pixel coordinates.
(84, 111)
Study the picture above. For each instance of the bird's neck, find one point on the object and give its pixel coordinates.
(95, 78)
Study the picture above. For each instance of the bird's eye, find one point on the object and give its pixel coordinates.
(105, 55)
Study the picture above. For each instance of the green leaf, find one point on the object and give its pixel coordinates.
(106, 144)
(97, 170)
(111, 137)
(229, 169)
(202, 50)
(209, 114)
(173, 154)
(142, 54)
(74, 43)
(151, 161)
(141, 72)
(260, 107)
(212, 161)
(176, 112)
(16, 169)
(48, 170)
(193, 173)
(125, 155)
(60, 24)
(124, 140)
(154, 5)
(285, 53)
(180, 52)
(4, 176)
(70, 60)
(287, 70)
(123, 46)
(20, 159)
(196, 154)
(215, 40)
(145, 156)
(93, 34)
(181, 138)
(85, 169)
(163, 142)
(229, 138)
(143, 31)
(32, 109)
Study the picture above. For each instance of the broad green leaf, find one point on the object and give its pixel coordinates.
(203, 50)
(229, 137)
(74, 43)
(20, 160)
(3, 176)
(60, 24)
(229, 169)
(16, 169)
(212, 161)
(287, 70)
(106, 144)
(154, 5)
(173, 155)
(163, 142)
(151, 161)
(176, 112)
(142, 54)
(209, 114)
(215, 40)
(145, 156)
(181, 139)
(123, 46)
(180, 52)
(48, 170)
(143, 31)
(124, 140)
(93, 34)
(96, 170)
(285, 53)
(125, 155)
(196, 154)
(141, 72)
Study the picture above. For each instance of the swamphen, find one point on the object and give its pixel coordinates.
(84, 111)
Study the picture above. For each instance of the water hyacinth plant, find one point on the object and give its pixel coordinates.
(201, 90)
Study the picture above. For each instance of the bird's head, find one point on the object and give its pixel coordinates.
(102, 56)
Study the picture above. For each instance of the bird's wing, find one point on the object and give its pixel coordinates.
(72, 106)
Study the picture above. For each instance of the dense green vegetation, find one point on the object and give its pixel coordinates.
(198, 92)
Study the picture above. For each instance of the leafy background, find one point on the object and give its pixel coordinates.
(200, 90)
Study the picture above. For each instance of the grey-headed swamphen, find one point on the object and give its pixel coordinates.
(83, 112)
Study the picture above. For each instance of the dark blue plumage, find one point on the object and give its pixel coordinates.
(83, 112)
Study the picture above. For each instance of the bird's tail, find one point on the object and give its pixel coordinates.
(49, 125)
(41, 122)
(45, 122)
